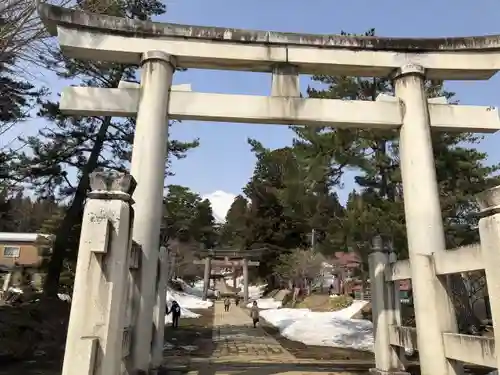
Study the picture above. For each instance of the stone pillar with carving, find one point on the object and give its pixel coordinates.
(94, 343)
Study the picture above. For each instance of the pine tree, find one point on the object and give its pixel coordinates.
(19, 213)
(18, 97)
(188, 217)
(234, 229)
(378, 209)
(189, 225)
(270, 224)
(204, 230)
(79, 146)
(461, 169)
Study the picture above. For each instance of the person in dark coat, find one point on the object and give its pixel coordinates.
(175, 309)
(330, 290)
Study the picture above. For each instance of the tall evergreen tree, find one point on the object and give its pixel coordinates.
(234, 229)
(20, 213)
(75, 146)
(204, 230)
(18, 98)
(461, 170)
(269, 223)
(188, 217)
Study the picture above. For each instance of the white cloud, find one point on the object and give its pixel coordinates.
(221, 202)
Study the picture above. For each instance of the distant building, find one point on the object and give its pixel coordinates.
(347, 264)
(23, 251)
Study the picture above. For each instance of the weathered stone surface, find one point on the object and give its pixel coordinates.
(112, 182)
(53, 15)
(489, 199)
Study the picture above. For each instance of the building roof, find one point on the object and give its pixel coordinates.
(23, 237)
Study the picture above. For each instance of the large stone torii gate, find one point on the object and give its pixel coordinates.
(160, 48)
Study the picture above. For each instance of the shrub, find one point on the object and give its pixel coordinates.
(340, 302)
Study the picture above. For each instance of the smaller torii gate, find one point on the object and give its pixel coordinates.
(227, 258)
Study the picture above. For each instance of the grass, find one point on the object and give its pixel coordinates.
(322, 302)
(191, 334)
(32, 337)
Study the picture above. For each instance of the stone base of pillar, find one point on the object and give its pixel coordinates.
(376, 371)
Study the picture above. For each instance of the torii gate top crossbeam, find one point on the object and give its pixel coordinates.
(94, 36)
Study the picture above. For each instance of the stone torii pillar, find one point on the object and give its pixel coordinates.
(245, 263)
(147, 167)
(159, 308)
(245, 280)
(234, 277)
(206, 277)
(424, 223)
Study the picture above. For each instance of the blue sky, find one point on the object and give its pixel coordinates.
(224, 161)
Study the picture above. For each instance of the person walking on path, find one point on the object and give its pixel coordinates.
(330, 290)
(237, 300)
(175, 309)
(227, 303)
(254, 314)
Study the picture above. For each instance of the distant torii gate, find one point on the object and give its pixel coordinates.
(227, 258)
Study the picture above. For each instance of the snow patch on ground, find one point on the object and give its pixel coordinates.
(196, 289)
(266, 303)
(62, 296)
(187, 300)
(335, 329)
(254, 291)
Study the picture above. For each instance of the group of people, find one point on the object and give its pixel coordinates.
(175, 310)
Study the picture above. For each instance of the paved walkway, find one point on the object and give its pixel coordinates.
(236, 340)
(240, 349)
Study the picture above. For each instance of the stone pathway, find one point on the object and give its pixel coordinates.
(236, 340)
(240, 349)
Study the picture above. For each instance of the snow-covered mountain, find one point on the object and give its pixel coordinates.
(221, 202)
